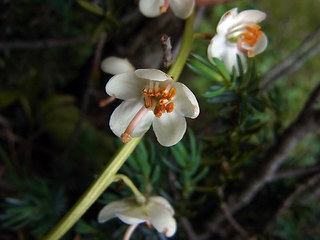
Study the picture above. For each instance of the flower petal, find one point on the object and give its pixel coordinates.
(150, 8)
(169, 128)
(227, 21)
(124, 113)
(261, 44)
(230, 60)
(182, 8)
(162, 220)
(115, 65)
(217, 47)
(163, 202)
(110, 210)
(227, 53)
(185, 102)
(152, 74)
(249, 17)
(125, 86)
(130, 220)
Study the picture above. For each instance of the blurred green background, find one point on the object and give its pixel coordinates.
(55, 139)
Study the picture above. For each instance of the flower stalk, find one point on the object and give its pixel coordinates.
(185, 49)
(138, 195)
(107, 176)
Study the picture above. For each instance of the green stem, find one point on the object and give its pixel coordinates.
(138, 195)
(108, 174)
(94, 191)
(185, 49)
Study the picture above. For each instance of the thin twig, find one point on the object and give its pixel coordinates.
(295, 172)
(311, 181)
(302, 187)
(233, 222)
(309, 47)
(47, 43)
(167, 50)
(228, 215)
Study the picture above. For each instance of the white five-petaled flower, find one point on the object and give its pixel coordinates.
(238, 34)
(154, 8)
(156, 211)
(151, 97)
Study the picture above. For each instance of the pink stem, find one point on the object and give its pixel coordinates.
(165, 6)
(126, 136)
(129, 231)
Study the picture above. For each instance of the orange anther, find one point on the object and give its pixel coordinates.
(159, 97)
(157, 111)
(163, 101)
(251, 36)
(169, 107)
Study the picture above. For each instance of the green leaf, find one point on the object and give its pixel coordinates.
(204, 70)
(193, 144)
(55, 101)
(8, 97)
(213, 94)
(156, 175)
(256, 104)
(200, 175)
(204, 61)
(180, 154)
(243, 110)
(133, 163)
(84, 228)
(142, 156)
(26, 106)
(241, 73)
(222, 69)
(225, 97)
(102, 27)
(91, 7)
(170, 165)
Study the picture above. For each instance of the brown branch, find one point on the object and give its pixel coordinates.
(309, 47)
(302, 187)
(228, 215)
(308, 121)
(295, 172)
(48, 43)
(309, 182)
(233, 222)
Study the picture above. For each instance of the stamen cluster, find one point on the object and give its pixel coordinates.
(159, 98)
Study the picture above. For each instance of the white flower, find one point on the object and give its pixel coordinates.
(156, 211)
(116, 65)
(238, 34)
(151, 97)
(154, 8)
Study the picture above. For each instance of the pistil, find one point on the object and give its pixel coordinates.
(126, 136)
(165, 6)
